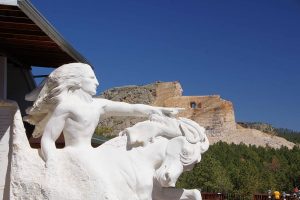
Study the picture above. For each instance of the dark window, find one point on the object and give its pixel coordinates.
(193, 105)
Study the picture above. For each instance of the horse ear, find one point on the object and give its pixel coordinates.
(182, 129)
(199, 129)
(189, 132)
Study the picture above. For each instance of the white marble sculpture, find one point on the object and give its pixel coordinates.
(142, 163)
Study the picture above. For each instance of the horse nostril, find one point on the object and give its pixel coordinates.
(167, 176)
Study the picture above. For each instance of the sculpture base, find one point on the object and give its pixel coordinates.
(66, 179)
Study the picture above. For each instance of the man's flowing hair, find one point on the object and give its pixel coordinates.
(66, 78)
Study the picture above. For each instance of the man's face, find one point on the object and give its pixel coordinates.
(89, 82)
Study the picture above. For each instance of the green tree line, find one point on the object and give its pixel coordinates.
(244, 170)
(288, 134)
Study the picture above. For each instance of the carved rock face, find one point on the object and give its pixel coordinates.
(89, 82)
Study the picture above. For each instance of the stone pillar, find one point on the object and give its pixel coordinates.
(3, 77)
(7, 110)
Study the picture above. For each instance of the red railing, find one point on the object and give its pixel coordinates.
(261, 197)
(212, 196)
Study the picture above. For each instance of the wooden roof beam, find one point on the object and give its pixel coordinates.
(5, 18)
(15, 30)
(20, 26)
(24, 36)
(25, 42)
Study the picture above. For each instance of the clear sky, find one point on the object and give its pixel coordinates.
(248, 51)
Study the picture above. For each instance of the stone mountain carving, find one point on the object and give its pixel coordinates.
(212, 112)
(142, 163)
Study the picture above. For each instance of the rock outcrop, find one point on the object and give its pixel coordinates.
(212, 112)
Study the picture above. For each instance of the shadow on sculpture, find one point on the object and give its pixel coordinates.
(142, 163)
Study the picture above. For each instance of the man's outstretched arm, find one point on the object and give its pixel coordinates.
(114, 108)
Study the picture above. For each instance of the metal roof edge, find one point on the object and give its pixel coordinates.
(9, 2)
(46, 26)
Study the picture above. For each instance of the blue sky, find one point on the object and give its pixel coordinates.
(247, 51)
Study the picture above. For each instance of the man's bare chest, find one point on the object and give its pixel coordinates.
(86, 114)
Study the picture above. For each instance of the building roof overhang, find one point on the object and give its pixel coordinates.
(28, 37)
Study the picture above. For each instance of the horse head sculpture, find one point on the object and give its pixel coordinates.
(183, 139)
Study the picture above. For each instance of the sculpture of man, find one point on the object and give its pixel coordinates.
(64, 103)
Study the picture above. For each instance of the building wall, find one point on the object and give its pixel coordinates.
(3, 76)
(19, 83)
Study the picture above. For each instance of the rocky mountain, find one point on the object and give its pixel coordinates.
(264, 127)
(212, 112)
(290, 135)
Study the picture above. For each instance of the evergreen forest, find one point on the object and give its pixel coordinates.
(241, 170)
(244, 170)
